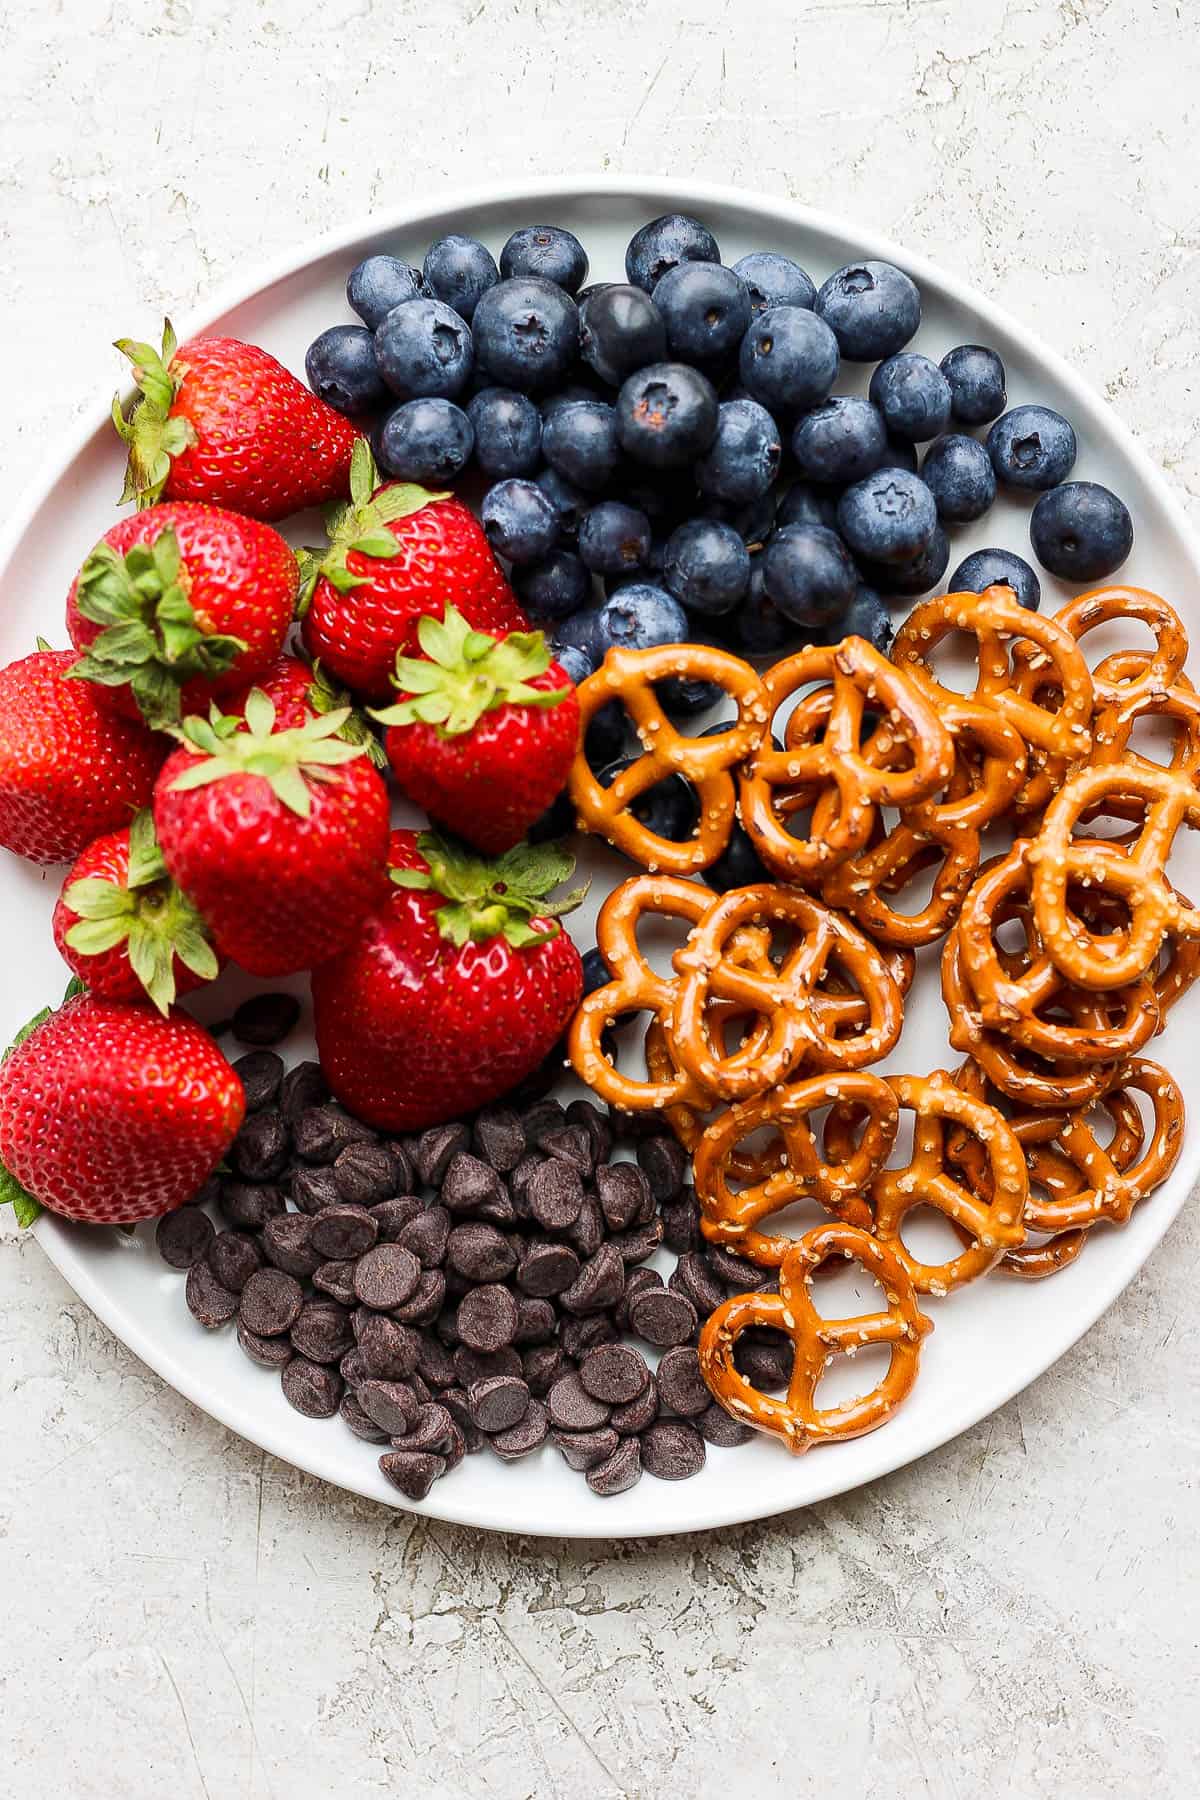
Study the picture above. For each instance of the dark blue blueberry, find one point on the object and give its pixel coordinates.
(423, 347)
(379, 283)
(789, 359)
(568, 502)
(808, 573)
(342, 370)
(683, 696)
(558, 821)
(670, 808)
(574, 662)
(805, 505)
(754, 522)
(865, 617)
(976, 378)
(614, 538)
(873, 309)
(520, 523)
(580, 441)
(773, 280)
(595, 971)
(1032, 447)
(889, 517)
(958, 473)
(425, 440)
(706, 310)
(739, 864)
(900, 455)
(665, 242)
(620, 330)
(997, 568)
(913, 395)
(639, 616)
(526, 333)
(667, 499)
(593, 287)
(707, 566)
(667, 415)
(743, 459)
(548, 252)
(1081, 531)
(460, 270)
(553, 588)
(758, 628)
(909, 579)
(575, 393)
(579, 633)
(841, 440)
(508, 432)
(607, 735)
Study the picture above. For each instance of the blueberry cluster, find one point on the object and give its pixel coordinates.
(664, 459)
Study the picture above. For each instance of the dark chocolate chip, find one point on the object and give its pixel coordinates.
(340, 1232)
(427, 1300)
(392, 1405)
(435, 1364)
(497, 1402)
(458, 1406)
(267, 1352)
(261, 1148)
(579, 1335)
(386, 1276)
(353, 1368)
(518, 1182)
(524, 1437)
(271, 1302)
(572, 1408)
(248, 1206)
(411, 1471)
(716, 1427)
(661, 1317)
(693, 1277)
(322, 1332)
(365, 1174)
(665, 1165)
(584, 1449)
(618, 1472)
(337, 1280)
(427, 1236)
(393, 1216)
(571, 1144)
(542, 1116)
(499, 1137)
(636, 1282)
(736, 1272)
(471, 1366)
(261, 1076)
(614, 1373)
(285, 1242)
(672, 1450)
(303, 1086)
(589, 1231)
(479, 1252)
(182, 1237)
(583, 1112)
(541, 1366)
(404, 1179)
(599, 1284)
(390, 1352)
(487, 1317)
(434, 1432)
(635, 1415)
(640, 1242)
(321, 1133)
(233, 1257)
(536, 1320)
(681, 1387)
(554, 1194)
(624, 1195)
(266, 1018)
(434, 1150)
(681, 1223)
(766, 1361)
(313, 1389)
(209, 1302)
(312, 1190)
(360, 1424)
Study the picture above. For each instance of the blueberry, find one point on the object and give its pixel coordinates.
(595, 970)
(805, 505)
(379, 283)
(526, 333)
(754, 522)
(553, 588)
(639, 616)
(670, 808)
(707, 566)
(425, 440)
(558, 821)
(958, 473)
(890, 517)
(997, 568)
(773, 280)
(739, 864)
(1031, 447)
(460, 270)
(789, 359)
(667, 498)
(423, 347)
(573, 662)
(664, 243)
(841, 440)
(620, 330)
(580, 441)
(865, 617)
(873, 309)
(913, 395)
(1081, 531)
(614, 538)
(579, 633)
(743, 459)
(758, 628)
(808, 573)
(341, 368)
(508, 432)
(548, 252)
(908, 579)
(572, 394)
(667, 415)
(976, 378)
(593, 287)
(520, 523)
(607, 735)
(706, 310)
(568, 501)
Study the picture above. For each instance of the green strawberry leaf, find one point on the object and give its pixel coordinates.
(291, 761)
(487, 898)
(25, 1208)
(361, 525)
(466, 673)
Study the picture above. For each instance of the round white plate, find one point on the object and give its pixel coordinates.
(992, 1338)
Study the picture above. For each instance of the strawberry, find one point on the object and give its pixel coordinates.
(70, 769)
(277, 836)
(221, 421)
(458, 985)
(123, 926)
(396, 553)
(178, 604)
(110, 1113)
(299, 691)
(485, 738)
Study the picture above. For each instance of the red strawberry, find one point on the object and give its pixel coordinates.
(123, 926)
(396, 553)
(300, 691)
(69, 767)
(221, 421)
(278, 837)
(178, 604)
(458, 985)
(486, 737)
(110, 1113)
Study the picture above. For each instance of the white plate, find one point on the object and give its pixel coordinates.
(992, 1338)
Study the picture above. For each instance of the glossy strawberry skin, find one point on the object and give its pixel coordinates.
(491, 783)
(444, 558)
(286, 681)
(110, 1113)
(266, 446)
(70, 768)
(109, 973)
(411, 1030)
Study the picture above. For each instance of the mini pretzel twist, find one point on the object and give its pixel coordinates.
(1158, 672)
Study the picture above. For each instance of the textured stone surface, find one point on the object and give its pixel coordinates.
(1016, 1616)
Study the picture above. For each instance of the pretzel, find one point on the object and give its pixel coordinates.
(732, 1219)
(704, 762)
(797, 1420)
(1102, 605)
(887, 865)
(688, 1122)
(775, 783)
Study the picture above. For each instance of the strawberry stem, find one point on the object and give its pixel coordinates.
(493, 897)
(289, 761)
(152, 434)
(466, 673)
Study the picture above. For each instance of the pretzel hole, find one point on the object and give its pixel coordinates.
(1118, 636)
(1159, 739)
(849, 1378)
(928, 1235)
(764, 1356)
(954, 661)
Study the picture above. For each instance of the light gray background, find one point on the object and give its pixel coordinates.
(1015, 1616)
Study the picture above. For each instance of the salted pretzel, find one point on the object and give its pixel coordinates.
(862, 885)
(704, 762)
(689, 1122)
(733, 1218)
(1160, 671)
(796, 1419)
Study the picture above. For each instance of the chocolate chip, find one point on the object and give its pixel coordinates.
(386, 1276)
(360, 1424)
(267, 1352)
(261, 1076)
(207, 1301)
(599, 1284)
(584, 1449)
(681, 1387)
(261, 1148)
(471, 1366)
(427, 1300)
(420, 1389)
(499, 1137)
(321, 1133)
(390, 1352)
(412, 1472)
(636, 1282)
(352, 1369)
(693, 1277)
(635, 1415)
(248, 1206)
(435, 1432)
(479, 1252)
(547, 1269)
(524, 1437)
(593, 1121)
(572, 1408)
(736, 1272)
(765, 1361)
(681, 1223)
(636, 1245)
(487, 1317)
(542, 1116)
(665, 1164)
(661, 1317)
(392, 1217)
(672, 1450)
(404, 1180)
(365, 1174)
(571, 1144)
(266, 1018)
(434, 1149)
(618, 1472)
(497, 1402)
(311, 1388)
(554, 1195)
(336, 1279)
(392, 1405)
(458, 1406)
(624, 1195)
(541, 1366)
(536, 1320)
(614, 1373)
(303, 1086)
(233, 1257)
(322, 1332)
(343, 1231)
(182, 1237)
(434, 1364)
(715, 1425)
(312, 1190)
(578, 1335)
(518, 1182)
(588, 1232)
(285, 1243)
(271, 1302)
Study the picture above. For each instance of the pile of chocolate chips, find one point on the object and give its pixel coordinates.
(472, 1286)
